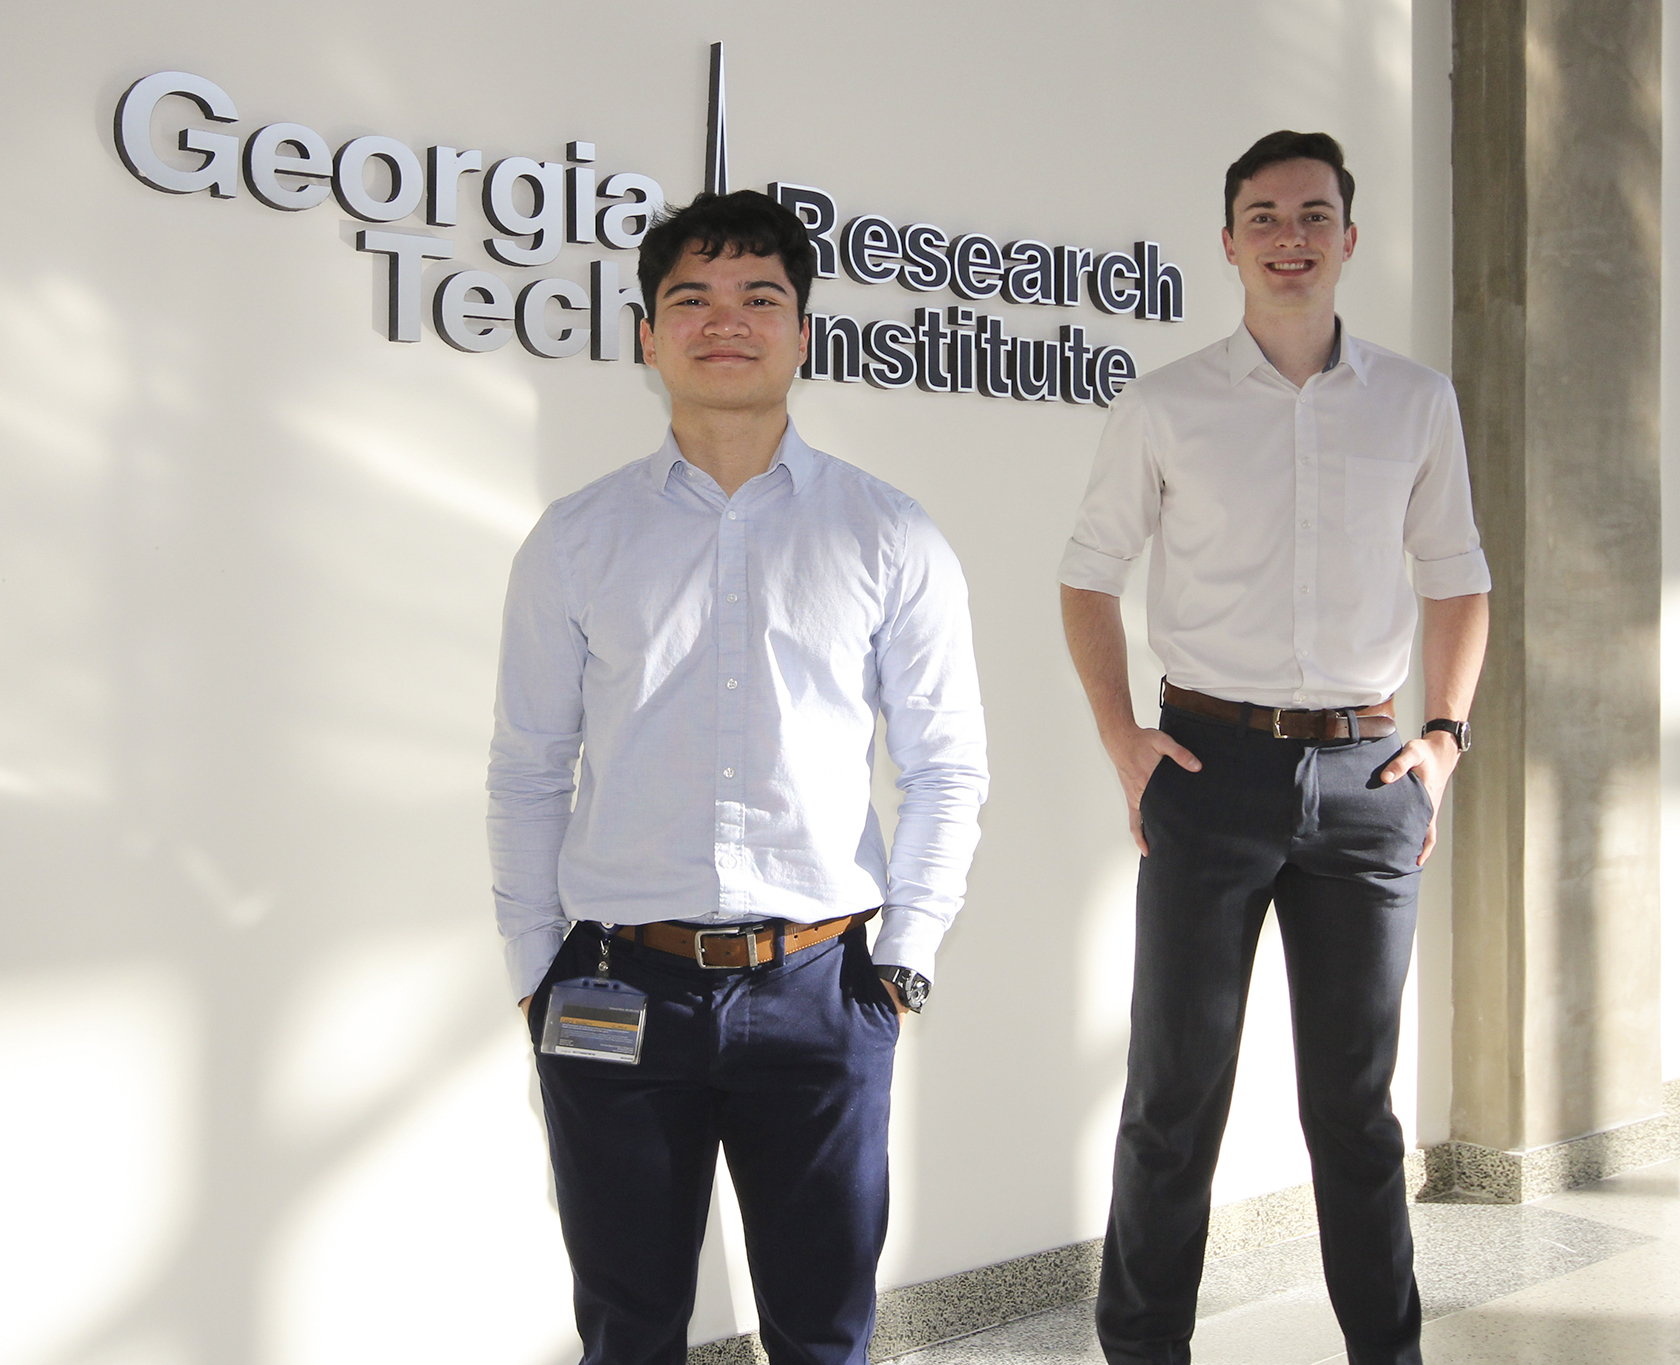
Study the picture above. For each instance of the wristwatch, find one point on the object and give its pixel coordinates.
(1458, 729)
(912, 986)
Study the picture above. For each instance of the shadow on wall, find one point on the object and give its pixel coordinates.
(274, 1098)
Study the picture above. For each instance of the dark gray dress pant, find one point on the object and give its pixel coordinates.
(1308, 828)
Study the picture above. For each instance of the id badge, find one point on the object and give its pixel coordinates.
(595, 1018)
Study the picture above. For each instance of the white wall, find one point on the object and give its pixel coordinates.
(251, 561)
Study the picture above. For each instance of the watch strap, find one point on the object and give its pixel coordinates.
(1458, 729)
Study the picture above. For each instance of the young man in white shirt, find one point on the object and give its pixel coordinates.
(1285, 476)
(715, 629)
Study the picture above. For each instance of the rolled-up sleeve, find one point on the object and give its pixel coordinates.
(1441, 535)
(935, 733)
(1122, 504)
(538, 736)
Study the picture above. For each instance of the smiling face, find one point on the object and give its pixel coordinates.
(1290, 239)
(726, 334)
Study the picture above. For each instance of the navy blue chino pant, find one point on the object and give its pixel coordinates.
(1310, 829)
(786, 1066)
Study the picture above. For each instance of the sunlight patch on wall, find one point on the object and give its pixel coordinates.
(1263, 1148)
(724, 1305)
(96, 1157)
(362, 1025)
(433, 1244)
(902, 1144)
(1095, 1154)
(1104, 961)
(426, 454)
(1671, 664)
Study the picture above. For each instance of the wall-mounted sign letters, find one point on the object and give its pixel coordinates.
(534, 209)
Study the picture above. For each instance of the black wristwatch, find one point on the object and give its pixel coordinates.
(912, 986)
(1458, 729)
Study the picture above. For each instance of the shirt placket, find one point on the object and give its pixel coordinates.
(731, 611)
(1304, 589)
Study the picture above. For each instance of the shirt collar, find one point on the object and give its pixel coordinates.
(1243, 354)
(1356, 356)
(799, 458)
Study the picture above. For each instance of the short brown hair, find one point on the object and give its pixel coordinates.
(1285, 145)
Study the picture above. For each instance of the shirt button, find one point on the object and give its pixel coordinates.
(729, 772)
(732, 684)
(1303, 588)
(732, 516)
(1306, 526)
(732, 598)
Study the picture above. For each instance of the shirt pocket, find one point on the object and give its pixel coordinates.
(1376, 494)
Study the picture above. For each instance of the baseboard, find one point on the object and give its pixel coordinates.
(918, 1315)
(1464, 1170)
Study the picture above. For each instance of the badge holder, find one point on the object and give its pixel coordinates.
(595, 1017)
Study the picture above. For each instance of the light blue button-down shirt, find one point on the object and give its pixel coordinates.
(719, 663)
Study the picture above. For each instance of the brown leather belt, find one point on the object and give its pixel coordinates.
(725, 946)
(1373, 722)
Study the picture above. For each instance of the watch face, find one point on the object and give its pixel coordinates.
(913, 986)
(1458, 729)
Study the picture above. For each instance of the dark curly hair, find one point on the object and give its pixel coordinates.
(1285, 145)
(745, 223)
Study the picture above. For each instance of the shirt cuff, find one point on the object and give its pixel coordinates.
(908, 938)
(1092, 570)
(531, 955)
(1460, 576)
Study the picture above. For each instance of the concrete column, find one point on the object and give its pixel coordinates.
(1557, 109)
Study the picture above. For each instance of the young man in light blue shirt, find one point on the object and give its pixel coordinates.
(715, 629)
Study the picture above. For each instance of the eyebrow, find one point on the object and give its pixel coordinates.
(1272, 204)
(700, 287)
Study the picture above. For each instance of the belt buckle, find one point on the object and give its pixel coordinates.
(1277, 723)
(701, 935)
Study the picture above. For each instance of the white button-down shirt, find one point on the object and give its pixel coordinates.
(1282, 519)
(720, 662)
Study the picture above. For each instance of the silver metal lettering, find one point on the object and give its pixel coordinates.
(444, 168)
(132, 130)
(457, 314)
(408, 252)
(408, 181)
(542, 225)
(266, 161)
(531, 318)
(613, 223)
(606, 303)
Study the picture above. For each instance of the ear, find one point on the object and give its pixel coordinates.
(1348, 239)
(804, 337)
(1230, 245)
(646, 329)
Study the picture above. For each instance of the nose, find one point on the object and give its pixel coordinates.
(726, 321)
(1291, 231)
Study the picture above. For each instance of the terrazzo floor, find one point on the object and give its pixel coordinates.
(1590, 1277)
